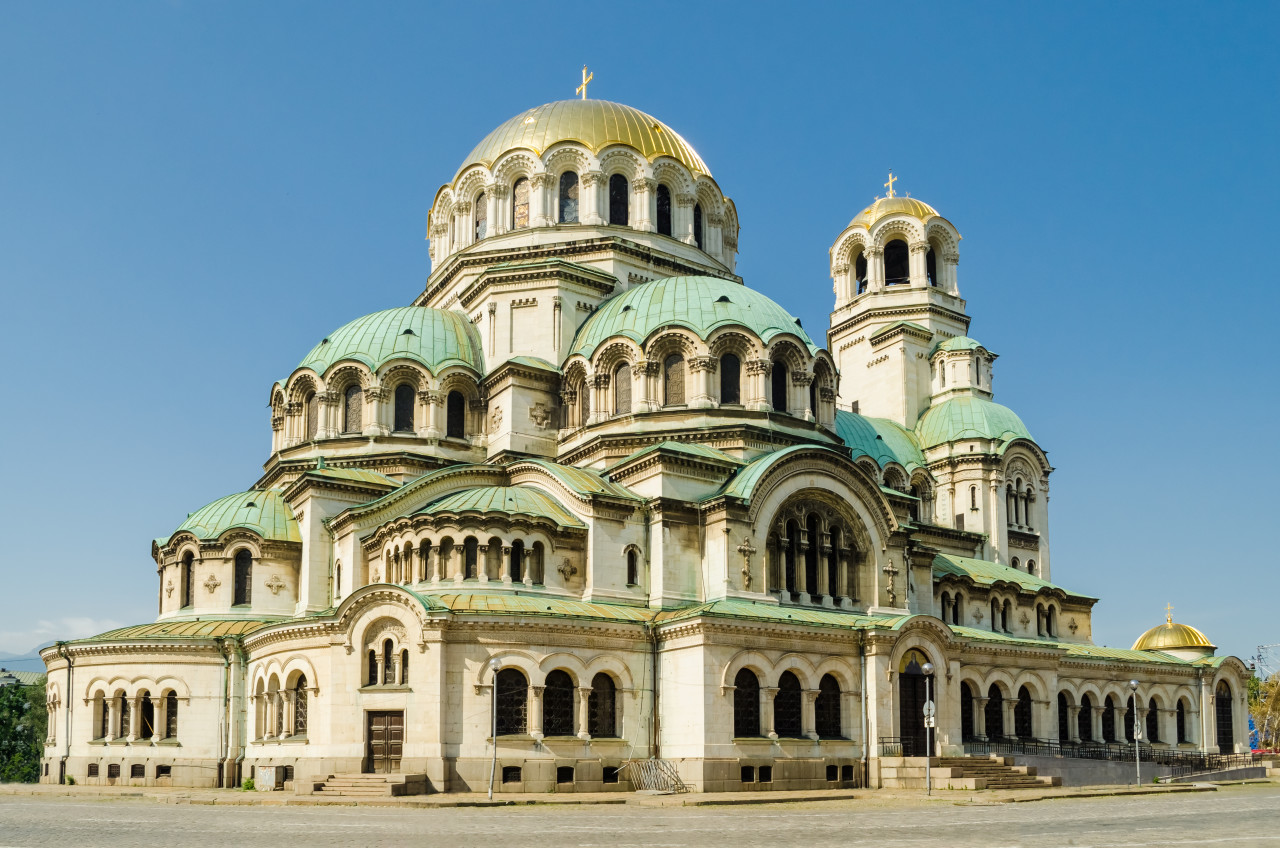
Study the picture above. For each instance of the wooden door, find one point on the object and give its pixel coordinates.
(385, 737)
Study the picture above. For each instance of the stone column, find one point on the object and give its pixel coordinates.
(591, 213)
(682, 213)
(482, 563)
(109, 707)
(701, 371)
(802, 576)
(1073, 722)
(1097, 722)
(375, 410)
(918, 269)
(800, 381)
(504, 566)
(808, 716)
(767, 694)
(824, 577)
(947, 271)
(648, 371)
(539, 196)
(535, 711)
(875, 269)
(980, 717)
(643, 206)
(758, 371)
(584, 713)
(287, 730)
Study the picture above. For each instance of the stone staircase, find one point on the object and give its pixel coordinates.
(372, 785)
(960, 773)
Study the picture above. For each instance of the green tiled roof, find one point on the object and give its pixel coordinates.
(435, 338)
(478, 603)
(691, 449)
(583, 481)
(1072, 650)
(742, 484)
(261, 511)
(969, 418)
(506, 500)
(905, 325)
(529, 362)
(206, 628)
(357, 474)
(957, 343)
(699, 304)
(879, 438)
(754, 611)
(984, 573)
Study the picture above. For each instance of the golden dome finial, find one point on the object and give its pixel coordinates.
(586, 78)
(1168, 614)
(892, 180)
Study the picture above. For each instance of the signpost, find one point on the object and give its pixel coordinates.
(930, 721)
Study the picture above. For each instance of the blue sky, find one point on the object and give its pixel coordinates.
(192, 194)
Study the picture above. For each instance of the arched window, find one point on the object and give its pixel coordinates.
(300, 705)
(602, 708)
(456, 416)
(126, 719)
(995, 614)
(664, 210)
(517, 561)
(171, 715)
(388, 663)
(352, 401)
(470, 558)
(746, 704)
(520, 204)
(313, 415)
(1064, 718)
(931, 266)
(1022, 714)
(1014, 564)
(673, 380)
(481, 218)
(778, 383)
(404, 667)
(811, 558)
(966, 713)
(730, 379)
(633, 571)
(1004, 616)
(404, 408)
(833, 565)
(619, 200)
(1051, 621)
(1153, 721)
(243, 577)
(535, 562)
(1031, 566)
(584, 404)
(372, 678)
(697, 225)
(104, 716)
(1130, 718)
(973, 497)
(513, 701)
(146, 716)
(622, 390)
(188, 578)
(337, 581)
(826, 709)
(860, 272)
(786, 707)
(557, 704)
(995, 713)
(568, 198)
(1084, 720)
(957, 607)
(1180, 714)
(792, 543)
(1222, 711)
(897, 263)
(1109, 720)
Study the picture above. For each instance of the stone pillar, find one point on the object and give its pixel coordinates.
(802, 576)
(947, 270)
(875, 269)
(539, 196)
(505, 566)
(592, 183)
(758, 371)
(535, 711)
(482, 563)
(584, 713)
(767, 694)
(980, 717)
(109, 706)
(824, 577)
(1073, 722)
(919, 271)
(648, 369)
(800, 382)
(375, 410)
(287, 730)
(702, 370)
(682, 213)
(644, 197)
(808, 714)
(431, 404)
(1097, 722)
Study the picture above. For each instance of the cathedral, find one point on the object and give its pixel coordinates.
(589, 501)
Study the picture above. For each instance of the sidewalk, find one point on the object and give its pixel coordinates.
(872, 797)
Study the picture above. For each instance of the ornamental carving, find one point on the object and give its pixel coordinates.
(212, 584)
(168, 589)
(540, 415)
(495, 419)
(746, 549)
(567, 570)
(275, 584)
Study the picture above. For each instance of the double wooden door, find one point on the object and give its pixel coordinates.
(385, 742)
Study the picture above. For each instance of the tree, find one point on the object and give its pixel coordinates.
(1264, 708)
(23, 722)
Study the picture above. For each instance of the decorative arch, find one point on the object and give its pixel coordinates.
(749, 659)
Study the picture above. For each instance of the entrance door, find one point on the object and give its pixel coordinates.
(911, 698)
(1226, 732)
(385, 737)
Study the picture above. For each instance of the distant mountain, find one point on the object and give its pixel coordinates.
(21, 662)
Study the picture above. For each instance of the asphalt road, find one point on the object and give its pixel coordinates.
(1238, 816)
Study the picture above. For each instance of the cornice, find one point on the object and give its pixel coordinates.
(888, 313)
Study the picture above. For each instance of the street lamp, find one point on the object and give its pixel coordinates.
(929, 712)
(494, 665)
(1137, 732)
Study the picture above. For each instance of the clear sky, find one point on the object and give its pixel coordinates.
(192, 194)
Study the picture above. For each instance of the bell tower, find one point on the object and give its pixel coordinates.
(894, 275)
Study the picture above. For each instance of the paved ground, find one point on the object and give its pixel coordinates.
(1234, 816)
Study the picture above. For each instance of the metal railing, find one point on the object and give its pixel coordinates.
(654, 776)
(897, 746)
(1181, 763)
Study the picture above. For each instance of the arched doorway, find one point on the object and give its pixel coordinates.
(1222, 708)
(995, 713)
(911, 698)
(966, 713)
(1022, 714)
(1064, 721)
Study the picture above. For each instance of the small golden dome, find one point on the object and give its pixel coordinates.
(1171, 636)
(595, 124)
(886, 206)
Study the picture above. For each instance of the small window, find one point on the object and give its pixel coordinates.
(300, 706)
(860, 272)
(313, 415)
(137, 770)
(520, 204)
(697, 226)
(673, 380)
(897, 263)
(633, 569)
(833, 774)
(481, 216)
(113, 771)
(188, 578)
(730, 379)
(778, 383)
(621, 390)
(470, 558)
(846, 773)
(748, 774)
(372, 679)
(511, 774)
(610, 774)
(288, 773)
(93, 770)
(404, 408)
(404, 668)
(564, 774)
(352, 412)
(164, 771)
(619, 200)
(456, 416)
(243, 578)
(568, 198)
(766, 774)
(664, 210)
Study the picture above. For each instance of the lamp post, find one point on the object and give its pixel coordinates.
(1137, 733)
(929, 712)
(494, 665)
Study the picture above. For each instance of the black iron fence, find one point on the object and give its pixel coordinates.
(1181, 763)
(897, 746)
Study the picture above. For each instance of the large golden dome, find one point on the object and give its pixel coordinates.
(1172, 636)
(594, 123)
(886, 206)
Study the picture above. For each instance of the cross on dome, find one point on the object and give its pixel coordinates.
(889, 185)
(1168, 614)
(586, 78)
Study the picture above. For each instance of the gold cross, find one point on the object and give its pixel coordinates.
(586, 78)
(892, 180)
(1168, 614)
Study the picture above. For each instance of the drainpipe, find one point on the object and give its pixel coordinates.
(242, 660)
(862, 700)
(333, 590)
(222, 718)
(66, 736)
(1204, 719)
(653, 691)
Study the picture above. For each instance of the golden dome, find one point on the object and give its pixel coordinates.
(1171, 636)
(595, 124)
(886, 206)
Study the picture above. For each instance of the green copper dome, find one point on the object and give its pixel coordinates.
(699, 304)
(969, 418)
(262, 511)
(435, 338)
(958, 343)
(507, 501)
(879, 438)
